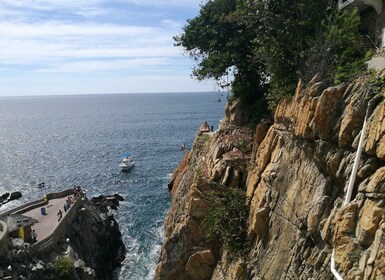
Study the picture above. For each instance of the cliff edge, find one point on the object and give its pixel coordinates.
(294, 170)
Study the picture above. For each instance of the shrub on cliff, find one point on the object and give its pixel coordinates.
(227, 218)
(336, 55)
(63, 267)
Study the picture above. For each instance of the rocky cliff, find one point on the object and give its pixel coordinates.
(294, 170)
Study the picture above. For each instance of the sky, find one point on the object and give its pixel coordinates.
(50, 47)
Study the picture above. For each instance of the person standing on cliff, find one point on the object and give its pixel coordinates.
(34, 236)
(59, 215)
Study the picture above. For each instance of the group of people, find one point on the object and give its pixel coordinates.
(78, 192)
(69, 201)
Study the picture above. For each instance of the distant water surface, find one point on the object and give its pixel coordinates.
(66, 140)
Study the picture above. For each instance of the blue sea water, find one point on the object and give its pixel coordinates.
(67, 140)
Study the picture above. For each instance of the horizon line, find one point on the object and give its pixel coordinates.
(111, 93)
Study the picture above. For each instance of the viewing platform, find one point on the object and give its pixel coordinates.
(48, 217)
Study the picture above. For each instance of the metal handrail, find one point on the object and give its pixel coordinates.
(46, 244)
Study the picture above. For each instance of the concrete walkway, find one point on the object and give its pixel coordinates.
(47, 223)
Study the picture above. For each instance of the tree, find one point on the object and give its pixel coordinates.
(287, 28)
(266, 42)
(218, 41)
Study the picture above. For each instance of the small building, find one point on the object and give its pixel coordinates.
(372, 18)
(19, 226)
(204, 128)
(372, 27)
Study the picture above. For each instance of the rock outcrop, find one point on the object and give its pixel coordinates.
(295, 171)
(93, 250)
(7, 197)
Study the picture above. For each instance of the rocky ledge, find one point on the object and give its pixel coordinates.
(93, 249)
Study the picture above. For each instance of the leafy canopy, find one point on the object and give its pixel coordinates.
(269, 44)
(220, 43)
(336, 55)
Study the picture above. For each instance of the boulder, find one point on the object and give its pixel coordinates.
(370, 217)
(200, 265)
(14, 195)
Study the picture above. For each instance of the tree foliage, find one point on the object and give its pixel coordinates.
(269, 44)
(286, 29)
(218, 42)
(336, 55)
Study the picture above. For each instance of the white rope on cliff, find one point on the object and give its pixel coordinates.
(353, 176)
(356, 161)
(333, 267)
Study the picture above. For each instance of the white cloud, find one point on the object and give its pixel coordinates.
(95, 6)
(63, 84)
(176, 3)
(55, 28)
(46, 42)
(49, 4)
(104, 65)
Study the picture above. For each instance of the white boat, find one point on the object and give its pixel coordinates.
(126, 164)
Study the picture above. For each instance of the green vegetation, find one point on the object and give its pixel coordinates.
(376, 82)
(242, 145)
(204, 138)
(63, 268)
(336, 55)
(355, 255)
(286, 30)
(227, 218)
(222, 45)
(267, 45)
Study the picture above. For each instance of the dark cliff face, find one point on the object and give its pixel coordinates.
(95, 236)
(295, 173)
(94, 248)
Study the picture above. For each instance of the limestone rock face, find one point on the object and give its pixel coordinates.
(200, 265)
(295, 170)
(220, 157)
(233, 115)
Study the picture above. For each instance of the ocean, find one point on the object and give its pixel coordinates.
(67, 140)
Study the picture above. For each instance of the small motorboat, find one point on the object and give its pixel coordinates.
(126, 164)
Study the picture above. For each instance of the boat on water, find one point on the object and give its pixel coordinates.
(126, 164)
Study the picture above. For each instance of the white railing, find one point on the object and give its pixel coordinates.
(353, 175)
